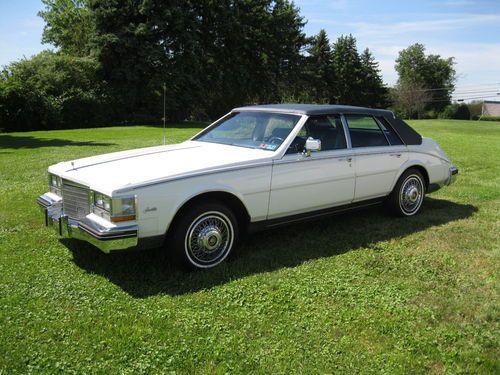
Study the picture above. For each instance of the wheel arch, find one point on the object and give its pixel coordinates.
(413, 165)
(232, 201)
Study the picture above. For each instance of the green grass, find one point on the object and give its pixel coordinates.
(357, 293)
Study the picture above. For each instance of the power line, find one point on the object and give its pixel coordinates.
(462, 99)
(466, 87)
(476, 91)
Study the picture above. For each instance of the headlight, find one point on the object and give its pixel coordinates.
(55, 183)
(102, 201)
(116, 209)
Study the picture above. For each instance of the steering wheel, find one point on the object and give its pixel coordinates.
(275, 140)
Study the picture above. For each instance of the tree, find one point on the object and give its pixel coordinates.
(431, 72)
(69, 25)
(374, 92)
(319, 68)
(287, 47)
(50, 91)
(211, 55)
(410, 98)
(348, 70)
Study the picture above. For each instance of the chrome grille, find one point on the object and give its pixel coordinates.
(75, 200)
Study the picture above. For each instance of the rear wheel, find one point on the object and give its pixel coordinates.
(204, 235)
(408, 194)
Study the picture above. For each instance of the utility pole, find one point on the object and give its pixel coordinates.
(164, 108)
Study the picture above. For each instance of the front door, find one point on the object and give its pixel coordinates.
(326, 178)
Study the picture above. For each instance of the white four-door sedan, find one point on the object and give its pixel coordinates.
(255, 168)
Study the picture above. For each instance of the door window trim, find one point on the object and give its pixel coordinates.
(340, 115)
(346, 125)
(300, 125)
(324, 155)
(389, 127)
(346, 130)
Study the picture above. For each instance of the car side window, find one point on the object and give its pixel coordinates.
(389, 132)
(328, 129)
(365, 131)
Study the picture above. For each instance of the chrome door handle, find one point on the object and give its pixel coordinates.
(347, 159)
(396, 155)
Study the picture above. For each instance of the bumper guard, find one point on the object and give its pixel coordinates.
(107, 239)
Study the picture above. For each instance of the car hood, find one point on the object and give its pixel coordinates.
(129, 169)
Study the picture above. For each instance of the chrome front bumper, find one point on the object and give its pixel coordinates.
(452, 176)
(107, 239)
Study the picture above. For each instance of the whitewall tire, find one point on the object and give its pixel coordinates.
(205, 235)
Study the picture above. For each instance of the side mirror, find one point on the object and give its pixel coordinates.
(312, 145)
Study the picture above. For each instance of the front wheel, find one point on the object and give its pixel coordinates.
(205, 235)
(408, 194)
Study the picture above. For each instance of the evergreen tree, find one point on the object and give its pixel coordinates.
(319, 66)
(374, 92)
(212, 55)
(348, 70)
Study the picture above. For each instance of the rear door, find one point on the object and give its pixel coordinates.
(379, 155)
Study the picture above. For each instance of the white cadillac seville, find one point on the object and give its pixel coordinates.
(255, 168)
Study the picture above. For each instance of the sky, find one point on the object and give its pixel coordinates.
(468, 30)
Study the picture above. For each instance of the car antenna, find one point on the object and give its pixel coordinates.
(164, 104)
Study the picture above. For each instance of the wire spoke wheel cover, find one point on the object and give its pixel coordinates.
(209, 239)
(411, 194)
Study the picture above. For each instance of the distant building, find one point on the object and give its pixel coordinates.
(490, 108)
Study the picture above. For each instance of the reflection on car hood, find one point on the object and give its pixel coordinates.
(110, 172)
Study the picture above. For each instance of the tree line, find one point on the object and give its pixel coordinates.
(114, 58)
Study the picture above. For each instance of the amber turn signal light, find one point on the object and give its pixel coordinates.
(116, 219)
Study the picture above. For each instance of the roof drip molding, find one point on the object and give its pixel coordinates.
(313, 109)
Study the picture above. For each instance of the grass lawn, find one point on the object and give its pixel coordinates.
(358, 293)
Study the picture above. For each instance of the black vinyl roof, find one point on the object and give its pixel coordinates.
(405, 131)
(313, 109)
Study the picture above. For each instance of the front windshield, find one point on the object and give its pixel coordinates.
(261, 130)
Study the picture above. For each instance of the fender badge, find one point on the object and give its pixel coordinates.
(150, 209)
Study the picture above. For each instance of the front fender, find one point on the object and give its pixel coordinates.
(200, 190)
(163, 201)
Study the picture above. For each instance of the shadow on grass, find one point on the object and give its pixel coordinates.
(17, 142)
(142, 274)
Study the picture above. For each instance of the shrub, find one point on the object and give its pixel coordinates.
(455, 111)
(431, 114)
(52, 91)
(489, 118)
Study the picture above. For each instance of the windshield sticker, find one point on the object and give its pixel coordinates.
(268, 146)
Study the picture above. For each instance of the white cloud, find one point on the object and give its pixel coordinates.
(445, 27)
(338, 4)
(459, 3)
(424, 26)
